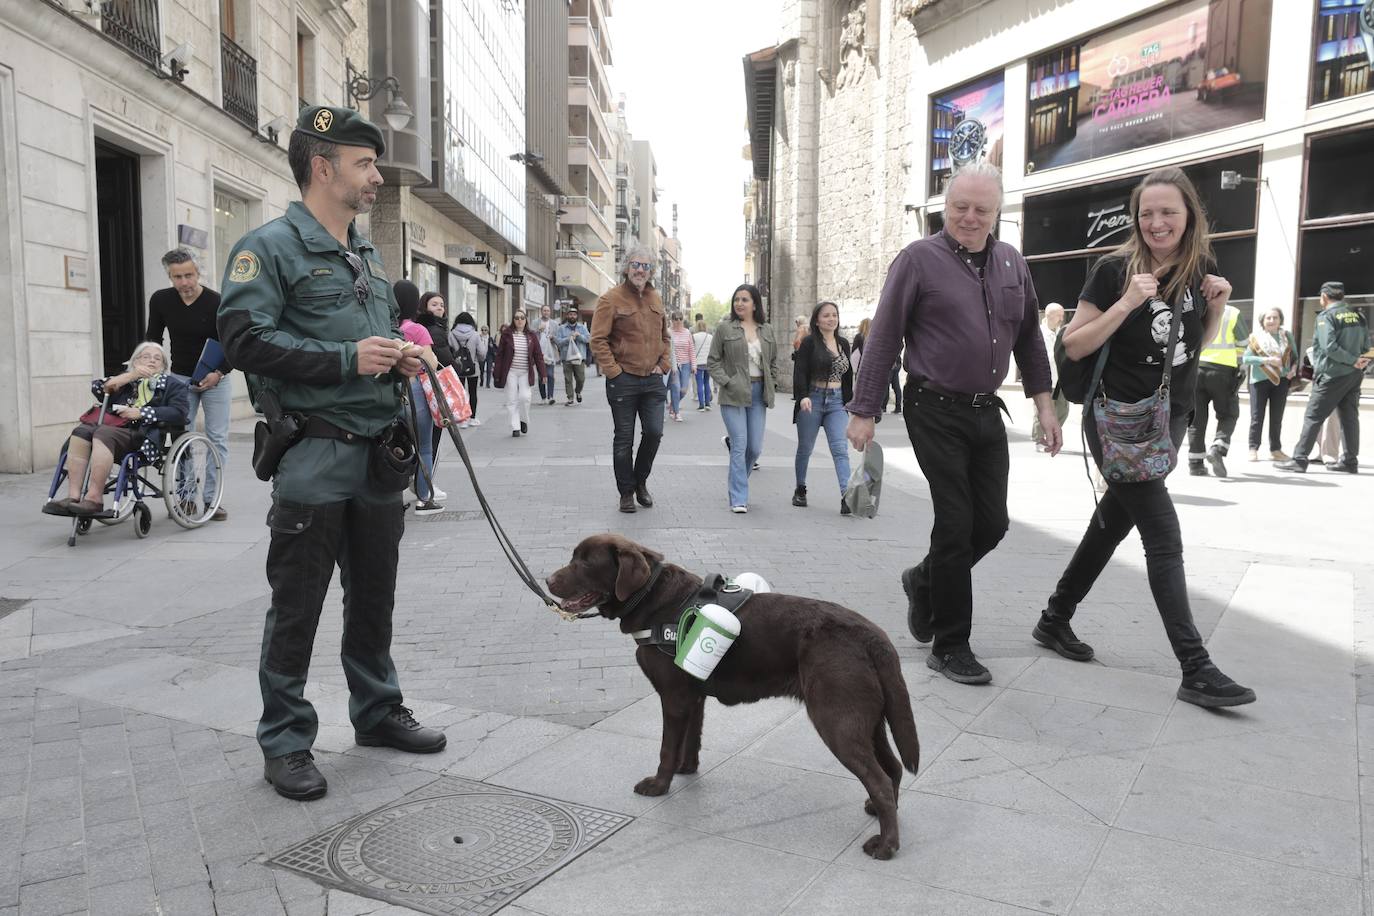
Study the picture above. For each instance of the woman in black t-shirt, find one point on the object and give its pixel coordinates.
(1129, 299)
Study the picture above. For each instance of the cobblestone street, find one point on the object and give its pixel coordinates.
(130, 780)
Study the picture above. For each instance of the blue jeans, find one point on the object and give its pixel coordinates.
(745, 426)
(635, 397)
(678, 380)
(216, 404)
(424, 446)
(827, 410)
(703, 386)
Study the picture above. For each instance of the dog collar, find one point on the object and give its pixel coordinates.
(654, 572)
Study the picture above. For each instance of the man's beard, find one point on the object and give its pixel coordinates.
(357, 203)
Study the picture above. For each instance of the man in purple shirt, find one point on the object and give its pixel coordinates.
(964, 303)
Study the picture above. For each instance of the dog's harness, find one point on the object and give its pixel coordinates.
(715, 589)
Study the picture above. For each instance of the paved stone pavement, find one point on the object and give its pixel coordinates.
(130, 781)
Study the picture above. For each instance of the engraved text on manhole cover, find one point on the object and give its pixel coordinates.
(455, 846)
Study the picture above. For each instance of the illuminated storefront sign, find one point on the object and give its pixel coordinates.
(955, 118)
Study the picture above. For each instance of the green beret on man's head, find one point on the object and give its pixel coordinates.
(341, 125)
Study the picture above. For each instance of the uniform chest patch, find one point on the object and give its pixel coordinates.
(245, 268)
(322, 272)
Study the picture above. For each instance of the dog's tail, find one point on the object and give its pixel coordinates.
(896, 703)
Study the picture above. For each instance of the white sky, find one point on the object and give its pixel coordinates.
(680, 66)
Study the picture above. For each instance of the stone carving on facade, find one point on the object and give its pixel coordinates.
(853, 60)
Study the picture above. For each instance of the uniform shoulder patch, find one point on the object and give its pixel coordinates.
(245, 267)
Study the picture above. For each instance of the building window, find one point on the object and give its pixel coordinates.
(1340, 57)
(1336, 240)
(306, 66)
(231, 224)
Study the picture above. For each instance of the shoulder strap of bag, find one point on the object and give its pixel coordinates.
(1169, 342)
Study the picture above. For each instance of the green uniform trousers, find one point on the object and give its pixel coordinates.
(324, 513)
(1341, 395)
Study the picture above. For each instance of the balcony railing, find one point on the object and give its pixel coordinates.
(134, 24)
(239, 73)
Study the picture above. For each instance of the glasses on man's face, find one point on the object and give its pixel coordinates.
(640, 265)
(360, 289)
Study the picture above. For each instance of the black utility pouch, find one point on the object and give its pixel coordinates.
(392, 459)
(273, 435)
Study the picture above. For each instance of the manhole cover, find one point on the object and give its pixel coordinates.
(455, 846)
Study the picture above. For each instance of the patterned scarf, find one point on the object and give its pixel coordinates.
(1262, 343)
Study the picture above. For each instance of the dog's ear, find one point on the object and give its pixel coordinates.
(632, 571)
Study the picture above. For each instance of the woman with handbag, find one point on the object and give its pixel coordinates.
(142, 399)
(1142, 316)
(519, 364)
(822, 383)
(1272, 358)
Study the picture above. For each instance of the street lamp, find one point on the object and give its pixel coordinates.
(359, 88)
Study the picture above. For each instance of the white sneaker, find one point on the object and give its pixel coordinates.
(475, 422)
(465, 424)
(739, 510)
(438, 493)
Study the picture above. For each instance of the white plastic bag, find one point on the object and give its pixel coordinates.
(866, 482)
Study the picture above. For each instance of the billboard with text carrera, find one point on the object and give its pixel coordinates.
(1188, 69)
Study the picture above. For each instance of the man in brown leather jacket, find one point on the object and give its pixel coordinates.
(631, 345)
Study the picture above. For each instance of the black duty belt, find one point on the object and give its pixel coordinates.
(320, 428)
(981, 399)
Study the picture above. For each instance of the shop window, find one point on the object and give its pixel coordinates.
(1337, 175)
(231, 224)
(1060, 280)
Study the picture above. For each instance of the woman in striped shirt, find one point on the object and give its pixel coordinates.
(684, 363)
(519, 364)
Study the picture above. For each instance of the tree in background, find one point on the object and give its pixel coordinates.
(711, 309)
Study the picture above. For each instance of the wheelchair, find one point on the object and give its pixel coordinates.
(188, 459)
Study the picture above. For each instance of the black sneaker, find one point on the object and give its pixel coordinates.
(844, 507)
(959, 666)
(398, 729)
(1196, 469)
(1344, 467)
(524, 427)
(918, 619)
(1209, 688)
(294, 775)
(1295, 465)
(1059, 636)
(1214, 458)
(799, 497)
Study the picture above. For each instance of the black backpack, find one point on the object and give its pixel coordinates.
(1076, 375)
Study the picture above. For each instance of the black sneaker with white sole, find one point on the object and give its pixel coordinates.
(1208, 687)
(960, 666)
(1058, 635)
(1215, 459)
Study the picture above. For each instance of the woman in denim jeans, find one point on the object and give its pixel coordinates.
(822, 383)
(744, 365)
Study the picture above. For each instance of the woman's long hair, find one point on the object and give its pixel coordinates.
(1194, 250)
(758, 303)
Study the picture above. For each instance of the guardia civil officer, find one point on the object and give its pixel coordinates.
(308, 314)
(1338, 362)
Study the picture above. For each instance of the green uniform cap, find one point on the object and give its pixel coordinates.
(341, 125)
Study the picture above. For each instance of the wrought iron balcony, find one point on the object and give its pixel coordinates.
(239, 74)
(134, 24)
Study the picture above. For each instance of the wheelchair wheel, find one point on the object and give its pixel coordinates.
(189, 463)
(83, 526)
(143, 520)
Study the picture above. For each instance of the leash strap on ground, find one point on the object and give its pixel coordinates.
(507, 547)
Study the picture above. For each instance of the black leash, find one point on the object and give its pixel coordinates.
(502, 539)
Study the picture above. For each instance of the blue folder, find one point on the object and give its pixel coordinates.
(211, 360)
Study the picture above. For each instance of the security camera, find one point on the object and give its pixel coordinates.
(175, 60)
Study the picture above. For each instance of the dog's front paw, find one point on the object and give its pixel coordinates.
(878, 848)
(687, 766)
(651, 785)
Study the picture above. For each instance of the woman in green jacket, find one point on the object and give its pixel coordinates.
(744, 366)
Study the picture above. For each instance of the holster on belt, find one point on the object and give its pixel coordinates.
(273, 435)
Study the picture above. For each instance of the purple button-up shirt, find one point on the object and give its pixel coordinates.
(959, 330)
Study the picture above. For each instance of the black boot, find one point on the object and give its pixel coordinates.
(294, 776)
(627, 502)
(398, 729)
(642, 494)
(1056, 634)
(799, 497)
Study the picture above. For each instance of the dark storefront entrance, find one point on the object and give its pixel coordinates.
(118, 216)
(1065, 232)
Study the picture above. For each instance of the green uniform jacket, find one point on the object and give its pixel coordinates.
(728, 363)
(1342, 336)
(290, 317)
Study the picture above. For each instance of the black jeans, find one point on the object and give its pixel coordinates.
(1265, 393)
(632, 396)
(963, 455)
(1145, 506)
(1218, 386)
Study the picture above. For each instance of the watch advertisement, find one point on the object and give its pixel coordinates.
(1342, 50)
(1189, 69)
(956, 116)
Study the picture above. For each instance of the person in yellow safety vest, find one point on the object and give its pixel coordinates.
(1218, 385)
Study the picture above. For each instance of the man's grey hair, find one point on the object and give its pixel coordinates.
(637, 253)
(180, 256)
(155, 345)
(980, 168)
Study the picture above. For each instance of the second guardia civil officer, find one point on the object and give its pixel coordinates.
(308, 314)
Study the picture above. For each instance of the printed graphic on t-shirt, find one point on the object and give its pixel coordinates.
(1161, 315)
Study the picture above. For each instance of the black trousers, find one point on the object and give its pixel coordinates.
(963, 455)
(1219, 388)
(631, 397)
(1264, 394)
(1147, 507)
(1342, 395)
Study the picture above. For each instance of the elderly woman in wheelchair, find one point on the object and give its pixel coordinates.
(140, 407)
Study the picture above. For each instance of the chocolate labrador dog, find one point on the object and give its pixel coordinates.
(841, 665)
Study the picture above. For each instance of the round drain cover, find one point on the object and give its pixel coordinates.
(455, 844)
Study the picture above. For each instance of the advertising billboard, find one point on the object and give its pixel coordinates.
(1191, 68)
(976, 110)
(1342, 50)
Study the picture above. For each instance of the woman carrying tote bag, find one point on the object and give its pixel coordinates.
(1148, 305)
